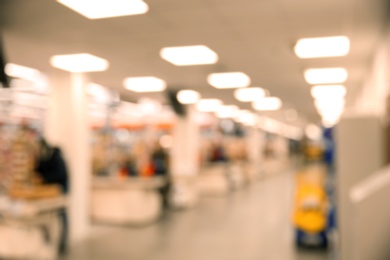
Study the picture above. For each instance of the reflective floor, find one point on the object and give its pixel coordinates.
(251, 224)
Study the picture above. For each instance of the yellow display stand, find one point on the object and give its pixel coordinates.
(310, 205)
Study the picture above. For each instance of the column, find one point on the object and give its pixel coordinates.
(185, 159)
(255, 145)
(359, 154)
(67, 127)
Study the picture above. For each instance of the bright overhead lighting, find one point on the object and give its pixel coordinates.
(189, 55)
(329, 123)
(144, 84)
(328, 92)
(245, 117)
(99, 93)
(326, 105)
(22, 72)
(267, 104)
(313, 132)
(227, 111)
(188, 96)
(322, 47)
(329, 111)
(97, 9)
(209, 105)
(249, 94)
(80, 62)
(149, 106)
(326, 76)
(229, 80)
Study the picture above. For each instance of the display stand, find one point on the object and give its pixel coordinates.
(213, 180)
(30, 228)
(130, 201)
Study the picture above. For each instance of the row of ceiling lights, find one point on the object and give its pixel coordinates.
(329, 96)
(183, 57)
(305, 48)
(179, 56)
(200, 54)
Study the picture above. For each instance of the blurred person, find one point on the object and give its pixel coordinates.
(160, 162)
(51, 169)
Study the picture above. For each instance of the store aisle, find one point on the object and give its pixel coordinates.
(251, 224)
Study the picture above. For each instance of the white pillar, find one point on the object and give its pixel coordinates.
(255, 141)
(185, 149)
(67, 126)
(360, 153)
(185, 160)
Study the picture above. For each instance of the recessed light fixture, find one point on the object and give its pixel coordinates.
(229, 80)
(249, 94)
(335, 46)
(209, 105)
(326, 76)
(324, 105)
(22, 72)
(189, 55)
(78, 63)
(267, 104)
(188, 96)
(328, 91)
(145, 84)
(97, 9)
(227, 111)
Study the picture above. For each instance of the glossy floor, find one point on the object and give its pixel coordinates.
(250, 224)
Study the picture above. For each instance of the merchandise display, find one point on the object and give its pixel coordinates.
(224, 160)
(130, 164)
(29, 207)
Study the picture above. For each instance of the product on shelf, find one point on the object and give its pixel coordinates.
(123, 153)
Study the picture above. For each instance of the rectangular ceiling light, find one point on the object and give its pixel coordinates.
(145, 84)
(209, 105)
(229, 80)
(335, 46)
(324, 106)
(267, 104)
(326, 76)
(188, 96)
(328, 92)
(22, 72)
(227, 111)
(78, 63)
(189, 55)
(97, 9)
(249, 94)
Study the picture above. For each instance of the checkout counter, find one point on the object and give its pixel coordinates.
(30, 227)
(130, 201)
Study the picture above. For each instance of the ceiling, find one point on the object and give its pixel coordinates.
(253, 36)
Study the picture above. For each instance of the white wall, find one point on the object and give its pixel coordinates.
(372, 98)
(359, 153)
